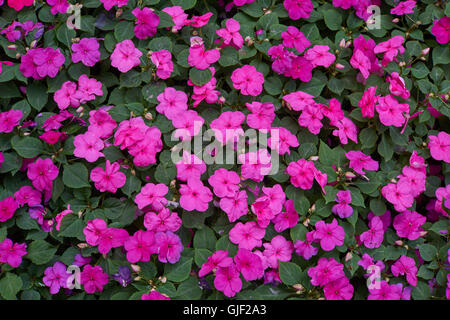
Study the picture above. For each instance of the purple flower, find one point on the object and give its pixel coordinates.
(123, 276)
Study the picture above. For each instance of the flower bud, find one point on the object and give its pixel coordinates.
(350, 175)
(80, 109)
(137, 278)
(82, 245)
(340, 66)
(396, 20)
(148, 116)
(399, 242)
(348, 256)
(119, 13)
(221, 100)
(425, 51)
(12, 47)
(313, 158)
(342, 43)
(163, 279)
(136, 268)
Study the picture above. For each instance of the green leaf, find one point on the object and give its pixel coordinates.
(228, 57)
(179, 271)
(27, 147)
(189, 290)
(75, 176)
(427, 252)
(200, 77)
(124, 30)
(266, 21)
(161, 43)
(421, 292)
(165, 174)
(205, 239)
(65, 35)
(10, 285)
(72, 226)
(386, 148)
(41, 252)
(378, 207)
(290, 273)
(441, 55)
(37, 95)
(333, 19)
(132, 185)
(185, 4)
(201, 256)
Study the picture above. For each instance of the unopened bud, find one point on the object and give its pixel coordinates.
(399, 242)
(402, 64)
(423, 233)
(12, 47)
(80, 109)
(306, 222)
(342, 43)
(26, 133)
(348, 256)
(340, 66)
(136, 268)
(80, 213)
(163, 279)
(82, 245)
(425, 51)
(268, 11)
(350, 175)
(119, 13)
(173, 183)
(313, 208)
(221, 100)
(133, 172)
(137, 278)
(298, 287)
(395, 20)
(148, 116)
(195, 33)
(33, 44)
(313, 158)
(393, 181)
(348, 44)
(423, 58)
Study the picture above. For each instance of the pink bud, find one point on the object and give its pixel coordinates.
(340, 66)
(342, 43)
(425, 51)
(395, 20)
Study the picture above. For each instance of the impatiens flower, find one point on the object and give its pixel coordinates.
(59, 217)
(408, 224)
(219, 259)
(286, 220)
(163, 221)
(101, 123)
(397, 85)
(248, 80)
(88, 146)
(281, 139)
(190, 167)
(172, 102)
(56, 277)
(199, 57)
(228, 281)
(93, 231)
(66, 96)
(441, 29)
(390, 48)
(58, 6)
(442, 199)
(41, 173)
(152, 195)
(146, 24)
(227, 127)
(235, 206)
(305, 248)
(360, 61)
(373, 237)
(298, 8)
(255, 165)
(399, 195)
(140, 246)
(298, 100)
(125, 56)
(302, 173)
(330, 235)
(279, 249)
(52, 137)
(346, 130)
(263, 211)
(301, 69)
(230, 34)
(188, 125)
(144, 151)
(169, 246)
(93, 279)
(406, 265)
(27, 195)
(391, 112)
(88, 88)
(19, 4)
(339, 289)
(368, 102)
(385, 291)
(108, 4)
(163, 61)
(12, 253)
(249, 264)
(440, 146)
(195, 196)
(326, 271)
(109, 179)
(311, 118)
(414, 178)
(178, 16)
(319, 55)
(199, 21)
(343, 208)
(154, 295)
(225, 183)
(293, 38)
(123, 276)
(404, 7)
(86, 51)
(261, 116)
(247, 235)
(48, 61)
(360, 161)
(9, 120)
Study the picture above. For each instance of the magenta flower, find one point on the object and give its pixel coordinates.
(199, 21)
(140, 246)
(41, 173)
(48, 61)
(385, 292)
(154, 295)
(169, 246)
(146, 24)
(225, 183)
(228, 281)
(144, 151)
(9, 120)
(391, 112)
(56, 277)
(404, 7)
(373, 237)
(93, 279)
(326, 271)
(247, 236)
(440, 146)
(125, 56)
(163, 61)
(249, 264)
(298, 8)
(152, 195)
(305, 248)
(248, 80)
(261, 116)
(343, 208)
(199, 57)
(279, 249)
(227, 127)
(94, 230)
(298, 100)
(101, 123)
(360, 161)
(255, 165)
(408, 224)
(236, 206)
(88, 146)
(368, 102)
(219, 259)
(311, 118)
(319, 55)
(27, 195)
(195, 196)
(178, 17)
(59, 217)
(108, 4)
(397, 85)
(58, 6)
(390, 48)
(230, 34)
(66, 96)
(302, 173)
(172, 102)
(190, 167)
(399, 195)
(110, 179)
(330, 235)
(406, 265)
(441, 30)
(111, 238)
(163, 221)
(86, 51)
(360, 61)
(281, 139)
(293, 38)
(12, 253)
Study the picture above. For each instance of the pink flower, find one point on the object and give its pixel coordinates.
(407, 224)
(343, 208)
(301, 69)
(154, 295)
(305, 248)
(164, 221)
(263, 211)
(441, 30)
(373, 237)
(140, 246)
(225, 183)
(12, 253)
(360, 161)
(261, 116)
(94, 230)
(390, 48)
(19, 4)
(293, 38)
(281, 139)
(195, 196)
(330, 235)
(9, 120)
(230, 34)
(404, 7)
(298, 100)
(41, 173)
(414, 178)
(360, 61)
(108, 4)
(236, 206)
(368, 102)
(346, 130)
(47, 62)
(169, 246)
(248, 80)
(311, 118)
(340, 289)
(101, 123)
(406, 265)
(146, 24)
(302, 173)
(59, 217)
(178, 16)
(199, 21)
(88, 89)
(228, 281)
(326, 271)
(320, 56)
(163, 61)
(247, 235)
(227, 127)
(152, 195)
(109, 179)
(442, 198)
(145, 150)
(56, 277)
(199, 57)
(286, 220)
(391, 112)
(58, 6)
(188, 125)
(27, 195)
(255, 165)
(52, 137)
(172, 102)
(88, 146)
(86, 51)
(397, 85)
(249, 264)
(190, 167)
(219, 259)
(399, 195)
(125, 56)
(279, 249)
(385, 291)
(66, 96)
(440, 146)
(93, 279)
(298, 8)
